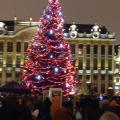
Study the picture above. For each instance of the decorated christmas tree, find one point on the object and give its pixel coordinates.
(49, 62)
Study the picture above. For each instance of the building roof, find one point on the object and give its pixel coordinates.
(82, 28)
(85, 28)
(9, 25)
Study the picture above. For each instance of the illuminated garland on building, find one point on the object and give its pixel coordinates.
(49, 61)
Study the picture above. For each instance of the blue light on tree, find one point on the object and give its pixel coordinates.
(38, 77)
(51, 32)
(56, 69)
(60, 14)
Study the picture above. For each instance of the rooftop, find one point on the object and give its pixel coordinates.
(9, 27)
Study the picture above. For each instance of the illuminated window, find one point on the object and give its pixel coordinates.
(9, 46)
(1, 46)
(80, 51)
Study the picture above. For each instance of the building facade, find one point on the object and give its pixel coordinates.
(92, 48)
(117, 71)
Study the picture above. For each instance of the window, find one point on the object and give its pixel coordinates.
(9, 47)
(18, 58)
(18, 49)
(17, 74)
(8, 75)
(9, 61)
(95, 77)
(88, 64)
(110, 50)
(1, 46)
(25, 46)
(88, 49)
(95, 49)
(80, 51)
(87, 77)
(110, 77)
(1, 61)
(110, 64)
(103, 77)
(80, 64)
(95, 64)
(102, 64)
(72, 48)
(103, 49)
(79, 78)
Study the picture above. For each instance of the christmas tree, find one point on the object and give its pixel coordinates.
(49, 63)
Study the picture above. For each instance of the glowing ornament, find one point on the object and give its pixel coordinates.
(65, 71)
(56, 69)
(51, 56)
(25, 71)
(51, 32)
(72, 91)
(61, 45)
(48, 17)
(67, 85)
(60, 14)
(38, 77)
(35, 44)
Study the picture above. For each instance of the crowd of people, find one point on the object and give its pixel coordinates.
(27, 107)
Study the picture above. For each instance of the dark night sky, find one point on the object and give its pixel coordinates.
(103, 12)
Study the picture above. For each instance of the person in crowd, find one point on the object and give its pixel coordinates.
(114, 107)
(47, 109)
(78, 115)
(109, 116)
(63, 113)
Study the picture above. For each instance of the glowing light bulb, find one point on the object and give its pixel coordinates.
(51, 56)
(48, 16)
(51, 32)
(61, 45)
(56, 69)
(38, 77)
